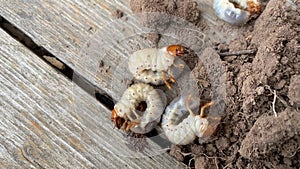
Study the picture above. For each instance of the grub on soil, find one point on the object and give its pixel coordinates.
(250, 81)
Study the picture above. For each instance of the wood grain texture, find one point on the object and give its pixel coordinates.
(48, 122)
(63, 27)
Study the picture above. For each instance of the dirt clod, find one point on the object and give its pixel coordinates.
(294, 90)
(270, 135)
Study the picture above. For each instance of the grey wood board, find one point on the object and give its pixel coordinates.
(48, 122)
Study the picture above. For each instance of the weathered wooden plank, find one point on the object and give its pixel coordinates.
(65, 27)
(48, 122)
(62, 27)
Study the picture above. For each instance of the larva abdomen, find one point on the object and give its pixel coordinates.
(226, 11)
(132, 97)
(156, 103)
(185, 131)
(180, 134)
(148, 64)
(155, 77)
(151, 59)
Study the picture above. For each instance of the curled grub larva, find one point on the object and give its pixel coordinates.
(236, 12)
(188, 129)
(131, 114)
(152, 65)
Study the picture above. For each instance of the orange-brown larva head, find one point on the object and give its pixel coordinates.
(176, 50)
(118, 121)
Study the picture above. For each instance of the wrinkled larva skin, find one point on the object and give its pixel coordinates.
(155, 100)
(227, 11)
(148, 64)
(186, 131)
(155, 77)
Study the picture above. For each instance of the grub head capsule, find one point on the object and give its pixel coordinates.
(176, 50)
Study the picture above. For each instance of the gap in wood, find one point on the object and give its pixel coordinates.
(56, 63)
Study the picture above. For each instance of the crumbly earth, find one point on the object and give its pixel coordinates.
(259, 86)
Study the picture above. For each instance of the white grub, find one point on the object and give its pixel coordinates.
(145, 121)
(185, 131)
(156, 65)
(236, 12)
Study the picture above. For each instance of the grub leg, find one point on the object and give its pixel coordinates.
(132, 121)
(172, 79)
(187, 105)
(165, 80)
(136, 115)
(204, 107)
(131, 125)
(124, 125)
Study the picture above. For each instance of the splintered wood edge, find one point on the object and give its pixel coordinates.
(48, 122)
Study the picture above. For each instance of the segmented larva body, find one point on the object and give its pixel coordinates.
(236, 12)
(156, 77)
(149, 65)
(132, 97)
(187, 130)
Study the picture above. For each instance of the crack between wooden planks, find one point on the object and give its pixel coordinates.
(56, 63)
